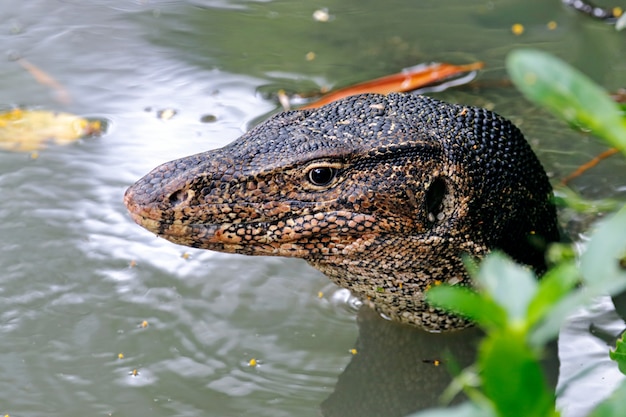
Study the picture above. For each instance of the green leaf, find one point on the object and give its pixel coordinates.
(559, 253)
(600, 264)
(549, 327)
(571, 95)
(511, 285)
(512, 376)
(599, 269)
(613, 406)
(554, 286)
(619, 354)
(467, 303)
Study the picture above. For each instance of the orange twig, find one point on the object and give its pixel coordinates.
(43, 78)
(407, 80)
(588, 165)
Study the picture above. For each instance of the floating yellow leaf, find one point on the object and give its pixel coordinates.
(29, 130)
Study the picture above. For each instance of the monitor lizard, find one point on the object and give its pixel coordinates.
(383, 194)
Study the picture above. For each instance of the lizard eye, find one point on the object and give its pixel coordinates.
(321, 176)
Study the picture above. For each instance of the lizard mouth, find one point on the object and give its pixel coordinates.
(302, 235)
(198, 235)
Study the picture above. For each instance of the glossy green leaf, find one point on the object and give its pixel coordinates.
(548, 328)
(559, 253)
(571, 95)
(599, 269)
(511, 285)
(554, 286)
(619, 354)
(468, 303)
(513, 378)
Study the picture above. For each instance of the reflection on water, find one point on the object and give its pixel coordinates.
(398, 369)
(79, 277)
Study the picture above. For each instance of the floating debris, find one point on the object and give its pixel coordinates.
(24, 130)
(321, 15)
(407, 80)
(208, 118)
(608, 15)
(45, 79)
(166, 114)
(517, 29)
(435, 362)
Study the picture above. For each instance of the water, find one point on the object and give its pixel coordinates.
(79, 278)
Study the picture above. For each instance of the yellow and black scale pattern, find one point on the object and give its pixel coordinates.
(383, 194)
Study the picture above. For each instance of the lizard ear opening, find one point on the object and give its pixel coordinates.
(434, 199)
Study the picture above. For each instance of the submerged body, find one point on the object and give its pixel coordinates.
(383, 194)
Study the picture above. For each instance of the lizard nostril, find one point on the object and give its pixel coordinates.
(434, 199)
(181, 196)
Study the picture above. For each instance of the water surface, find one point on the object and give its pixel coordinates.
(79, 277)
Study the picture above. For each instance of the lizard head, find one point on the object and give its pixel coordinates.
(384, 194)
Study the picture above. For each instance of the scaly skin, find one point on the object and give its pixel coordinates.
(413, 185)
